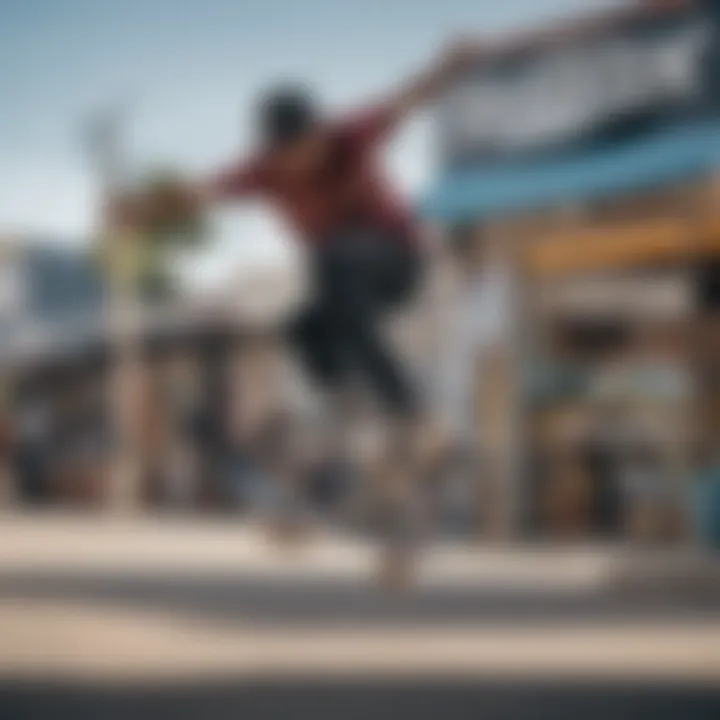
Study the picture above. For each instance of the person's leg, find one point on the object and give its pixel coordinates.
(366, 278)
(358, 279)
(363, 278)
(319, 343)
(312, 337)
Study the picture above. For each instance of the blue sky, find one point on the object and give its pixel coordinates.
(188, 71)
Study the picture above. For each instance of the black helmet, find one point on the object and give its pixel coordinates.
(286, 113)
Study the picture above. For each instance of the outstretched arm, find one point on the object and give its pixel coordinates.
(375, 124)
(431, 83)
(461, 56)
(175, 201)
(236, 182)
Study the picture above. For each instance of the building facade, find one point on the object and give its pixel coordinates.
(588, 158)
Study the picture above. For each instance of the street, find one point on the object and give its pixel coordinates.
(113, 618)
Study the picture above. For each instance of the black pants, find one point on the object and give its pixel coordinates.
(359, 276)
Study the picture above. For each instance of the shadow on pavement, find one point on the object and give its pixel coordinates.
(326, 603)
(420, 699)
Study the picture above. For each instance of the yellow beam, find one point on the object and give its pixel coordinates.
(623, 246)
(711, 236)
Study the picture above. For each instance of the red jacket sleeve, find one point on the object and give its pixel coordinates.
(371, 125)
(238, 181)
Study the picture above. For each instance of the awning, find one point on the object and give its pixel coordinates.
(665, 158)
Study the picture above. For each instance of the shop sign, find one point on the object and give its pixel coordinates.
(634, 76)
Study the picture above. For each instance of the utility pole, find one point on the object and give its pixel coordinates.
(119, 247)
(7, 481)
(8, 315)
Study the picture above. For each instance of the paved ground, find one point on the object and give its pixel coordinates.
(121, 618)
(375, 699)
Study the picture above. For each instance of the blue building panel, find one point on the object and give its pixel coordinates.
(660, 160)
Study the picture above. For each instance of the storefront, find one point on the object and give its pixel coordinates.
(593, 162)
